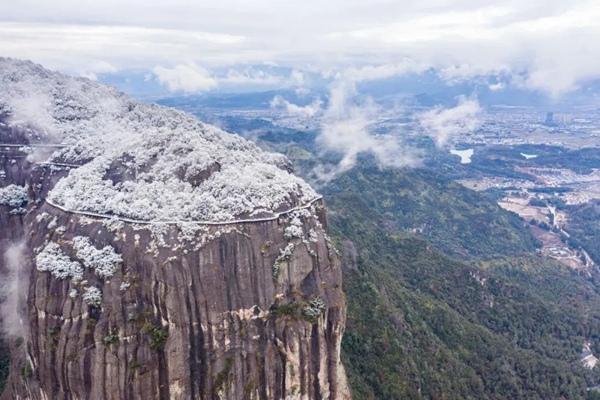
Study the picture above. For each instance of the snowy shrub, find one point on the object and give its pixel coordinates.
(13, 196)
(111, 338)
(314, 308)
(284, 255)
(312, 236)
(275, 270)
(103, 261)
(52, 259)
(92, 296)
(294, 230)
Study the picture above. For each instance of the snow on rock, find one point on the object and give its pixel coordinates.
(92, 296)
(103, 261)
(314, 308)
(284, 255)
(52, 259)
(588, 359)
(294, 230)
(13, 196)
(143, 161)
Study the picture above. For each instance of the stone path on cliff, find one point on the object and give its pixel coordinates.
(145, 222)
(172, 222)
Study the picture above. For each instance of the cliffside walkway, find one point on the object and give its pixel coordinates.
(275, 216)
(175, 222)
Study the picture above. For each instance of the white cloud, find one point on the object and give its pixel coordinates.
(554, 45)
(251, 76)
(13, 289)
(192, 78)
(309, 110)
(187, 78)
(260, 77)
(497, 86)
(76, 48)
(92, 70)
(444, 124)
(383, 71)
(346, 129)
(33, 108)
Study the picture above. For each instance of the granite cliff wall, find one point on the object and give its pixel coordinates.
(236, 294)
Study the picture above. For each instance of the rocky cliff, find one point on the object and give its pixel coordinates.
(158, 257)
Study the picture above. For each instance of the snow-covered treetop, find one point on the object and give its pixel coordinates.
(143, 161)
(13, 196)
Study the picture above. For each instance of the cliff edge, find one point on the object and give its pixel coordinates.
(158, 257)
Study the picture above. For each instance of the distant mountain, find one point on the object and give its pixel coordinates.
(254, 86)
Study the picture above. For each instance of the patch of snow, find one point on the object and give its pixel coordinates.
(528, 156)
(92, 296)
(294, 230)
(143, 161)
(588, 359)
(52, 224)
(465, 155)
(284, 255)
(41, 217)
(314, 308)
(103, 261)
(13, 196)
(52, 259)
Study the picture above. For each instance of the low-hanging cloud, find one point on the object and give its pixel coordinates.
(30, 105)
(309, 110)
(251, 76)
(13, 287)
(192, 78)
(346, 129)
(382, 71)
(186, 78)
(444, 124)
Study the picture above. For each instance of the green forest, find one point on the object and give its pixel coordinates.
(491, 320)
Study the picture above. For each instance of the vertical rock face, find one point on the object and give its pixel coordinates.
(215, 289)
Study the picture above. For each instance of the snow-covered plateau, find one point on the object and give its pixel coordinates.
(142, 161)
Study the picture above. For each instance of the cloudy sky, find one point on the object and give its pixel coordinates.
(549, 46)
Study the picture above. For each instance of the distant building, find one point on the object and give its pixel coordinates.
(549, 121)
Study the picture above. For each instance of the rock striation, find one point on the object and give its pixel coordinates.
(160, 257)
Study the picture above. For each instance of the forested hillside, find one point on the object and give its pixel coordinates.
(458, 221)
(422, 324)
(584, 228)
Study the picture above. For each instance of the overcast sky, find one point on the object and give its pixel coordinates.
(546, 45)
